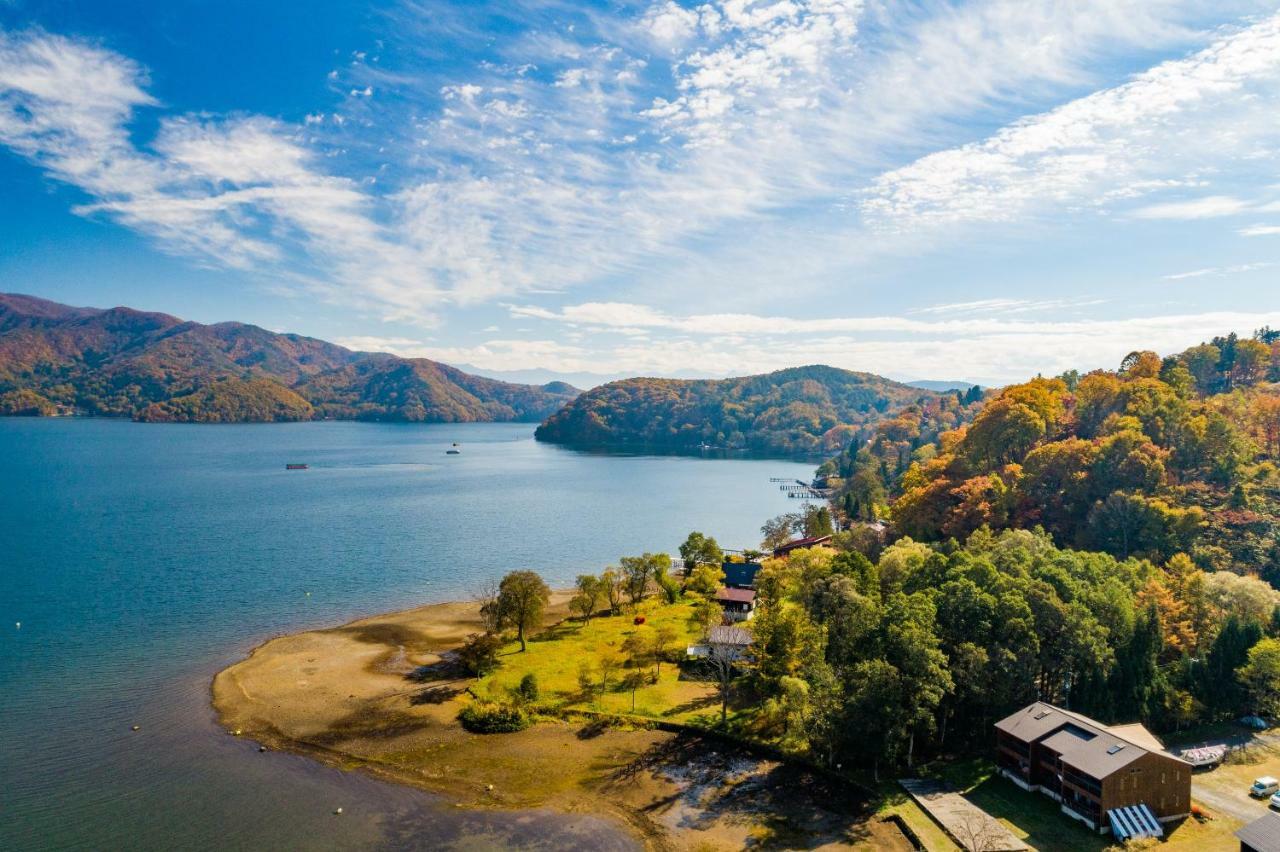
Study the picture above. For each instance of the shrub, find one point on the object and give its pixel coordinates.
(479, 654)
(528, 689)
(493, 718)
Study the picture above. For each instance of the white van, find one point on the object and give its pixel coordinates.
(1264, 787)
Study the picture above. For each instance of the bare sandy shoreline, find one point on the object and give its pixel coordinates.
(379, 694)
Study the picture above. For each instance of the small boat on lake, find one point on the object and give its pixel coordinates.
(295, 466)
(453, 451)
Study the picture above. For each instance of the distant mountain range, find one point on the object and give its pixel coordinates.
(586, 381)
(58, 359)
(581, 380)
(799, 410)
(940, 386)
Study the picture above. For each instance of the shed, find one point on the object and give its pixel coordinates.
(1261, 835)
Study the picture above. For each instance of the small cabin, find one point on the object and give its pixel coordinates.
(738, 604)
(812, 541)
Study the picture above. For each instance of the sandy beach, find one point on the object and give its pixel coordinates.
(381, 695)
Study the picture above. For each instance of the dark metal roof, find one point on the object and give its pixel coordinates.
(812, 541)
(740, 573)
(736, 595)
(1101, 751)
(1263, 834)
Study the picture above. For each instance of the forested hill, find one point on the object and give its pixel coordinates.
(800, 410)
(151, 366)
(1162, 456)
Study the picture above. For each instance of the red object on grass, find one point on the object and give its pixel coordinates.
(639, 619)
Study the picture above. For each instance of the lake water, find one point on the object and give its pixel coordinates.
(140, 559)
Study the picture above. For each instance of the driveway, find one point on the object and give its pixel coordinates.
(1224, 789)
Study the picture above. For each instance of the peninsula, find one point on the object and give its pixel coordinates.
(383, 695)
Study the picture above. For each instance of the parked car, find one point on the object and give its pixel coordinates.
(1264, 787)
(1275, 800)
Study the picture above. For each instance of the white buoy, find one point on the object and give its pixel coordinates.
(18, 625)
(337, 810)
(137, 727)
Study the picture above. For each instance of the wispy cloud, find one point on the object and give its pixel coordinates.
(1009, 306)
(592, 145)
(1219, 271)
(1157, 130)
(1260, 231)
(992, 351)
(1209, 207)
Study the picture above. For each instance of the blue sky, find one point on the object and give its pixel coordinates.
(925, 190)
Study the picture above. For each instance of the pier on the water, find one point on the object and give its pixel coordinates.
(800, 490)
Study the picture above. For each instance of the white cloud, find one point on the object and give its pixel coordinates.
(508, 178)
(992, 351)
(1219, 271)
(1260, 231)
(1170, 120)
(1208, 207)
(669, 22)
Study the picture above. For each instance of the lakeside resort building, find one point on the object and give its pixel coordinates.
(1116, 778)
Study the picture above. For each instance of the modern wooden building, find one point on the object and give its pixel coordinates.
(1116, 778)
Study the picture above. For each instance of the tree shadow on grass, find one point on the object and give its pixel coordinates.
(556, 632)
(702, 703)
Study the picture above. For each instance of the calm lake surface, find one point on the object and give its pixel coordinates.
(141, 559)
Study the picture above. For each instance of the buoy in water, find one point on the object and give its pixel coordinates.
(337, 810)
(261, 749)
(137, 727)
(18, 625)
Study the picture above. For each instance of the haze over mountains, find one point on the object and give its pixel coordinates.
(152, 366)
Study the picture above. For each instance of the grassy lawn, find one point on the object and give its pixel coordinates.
(554, 657)
(894, 801)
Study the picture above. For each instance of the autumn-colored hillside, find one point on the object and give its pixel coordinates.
(154, 366)
(1162, 456)
(799, 410)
